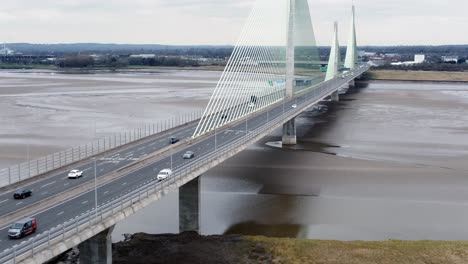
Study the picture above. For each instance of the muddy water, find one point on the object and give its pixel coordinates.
(387, 162)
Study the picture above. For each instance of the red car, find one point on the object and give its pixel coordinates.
(23, 228)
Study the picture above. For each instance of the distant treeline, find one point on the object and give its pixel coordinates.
(61, 50)
(86, 61)
(208, 51)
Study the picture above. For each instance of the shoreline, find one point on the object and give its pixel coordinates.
(417, 76)
(189, 247)
(372, 75)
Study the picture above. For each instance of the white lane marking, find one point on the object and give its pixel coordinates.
(84, 202)
(44, 193)
(142, 148)
(106, 192)
(4, 201)
(66, 184)
(50, 183)
(61, 213)
(123, 184)
(19, 203)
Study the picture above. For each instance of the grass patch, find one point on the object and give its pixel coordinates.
(436, 76)
(360, 252)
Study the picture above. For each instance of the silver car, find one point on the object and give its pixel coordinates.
(189, 155)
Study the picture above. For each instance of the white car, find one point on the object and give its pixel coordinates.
(75, 174)
(162, 175)
(294, 106)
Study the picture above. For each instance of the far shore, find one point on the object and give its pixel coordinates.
(428, 76)
(373, 75)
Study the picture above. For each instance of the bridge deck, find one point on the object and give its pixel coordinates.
(210, 150)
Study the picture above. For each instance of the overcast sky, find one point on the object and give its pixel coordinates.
(186, 22)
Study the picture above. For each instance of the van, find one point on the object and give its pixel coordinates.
(23, 228)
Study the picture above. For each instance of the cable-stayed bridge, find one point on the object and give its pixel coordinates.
(272, 76)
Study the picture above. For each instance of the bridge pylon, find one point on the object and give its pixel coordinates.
(335, 56)
(351, 51)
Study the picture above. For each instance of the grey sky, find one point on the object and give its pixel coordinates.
(379, 22)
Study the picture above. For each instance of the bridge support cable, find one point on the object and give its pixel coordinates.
(351, 51)
(255, 76)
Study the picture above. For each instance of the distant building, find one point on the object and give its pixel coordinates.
(4, 51)
(144, 56)
(418, 59)
(450, 59)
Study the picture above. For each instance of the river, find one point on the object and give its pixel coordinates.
(386, 162)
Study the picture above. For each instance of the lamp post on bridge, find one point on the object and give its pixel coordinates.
(95, 188)
(171, 159)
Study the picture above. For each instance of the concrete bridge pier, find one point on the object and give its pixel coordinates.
(189, 206)
(335, 97)
(98, 249)
(352, 83)
(289, 132)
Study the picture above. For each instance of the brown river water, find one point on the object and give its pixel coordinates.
(389, 161)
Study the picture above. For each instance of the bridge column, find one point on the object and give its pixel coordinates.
(289, 132)
(189, 206)
(335, 97)
(352, 83)
(98, 249)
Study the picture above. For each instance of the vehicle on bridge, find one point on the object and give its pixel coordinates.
(173, 140)
(164, 174)
(22, 193)
(75, 174)
(23, 228)
(189, 155)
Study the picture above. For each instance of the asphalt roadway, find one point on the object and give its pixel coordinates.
(66, 210)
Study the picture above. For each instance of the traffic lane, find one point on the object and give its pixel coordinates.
(55, 185)
(119, 187)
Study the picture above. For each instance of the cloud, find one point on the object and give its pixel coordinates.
(379, 22)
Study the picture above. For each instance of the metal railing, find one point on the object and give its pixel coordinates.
(86, 220)
(31, 168)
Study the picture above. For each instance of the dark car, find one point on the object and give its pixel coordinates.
(22, 228)
(173, 140)
(22, 193)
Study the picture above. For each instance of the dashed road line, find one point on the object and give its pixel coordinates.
(50, 183)
(61, 213)
(4, 201)
(84, 202)
(19, 203)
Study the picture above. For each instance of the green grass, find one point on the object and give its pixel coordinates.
(360, 252)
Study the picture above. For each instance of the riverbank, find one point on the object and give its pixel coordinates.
(190, 247)
(430, 76)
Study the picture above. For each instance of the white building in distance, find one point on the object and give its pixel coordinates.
(418, 59)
